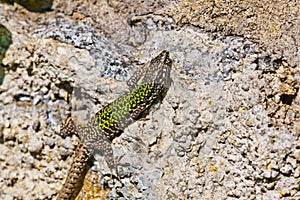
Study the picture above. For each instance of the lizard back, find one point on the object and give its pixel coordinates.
(151, 82)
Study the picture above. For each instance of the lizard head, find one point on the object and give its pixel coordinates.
(159, 69)
(151, 82)
(156, 72)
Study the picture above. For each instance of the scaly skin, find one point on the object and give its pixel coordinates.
(146, 85)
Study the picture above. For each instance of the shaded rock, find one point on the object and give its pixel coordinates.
(34, 5)
(5, 41)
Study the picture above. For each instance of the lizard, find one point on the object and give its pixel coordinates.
(148, 84)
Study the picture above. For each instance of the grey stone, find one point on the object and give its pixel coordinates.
(286, 169)
(68, 143)
(36, 125)
(9, 133)
(226, 128)
(35, 144)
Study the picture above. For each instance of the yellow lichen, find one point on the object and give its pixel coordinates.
(248, 122)
(92, 188)
(213, 168)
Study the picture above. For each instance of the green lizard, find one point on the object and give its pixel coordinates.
(146, 85)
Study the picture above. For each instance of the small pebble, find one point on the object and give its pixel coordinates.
(36, 125)
(68, 143)
(245, 87)
(44, 90)
(9, 134)
(286, 170)
(35, 145)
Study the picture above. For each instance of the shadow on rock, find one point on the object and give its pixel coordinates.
(5, 42)
(33, 5)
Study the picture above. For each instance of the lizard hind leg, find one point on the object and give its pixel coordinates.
(102, 146)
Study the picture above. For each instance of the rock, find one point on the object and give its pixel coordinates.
(36, 125)
(227, 128)
(9, 134)
(286, 170)
(35, 145)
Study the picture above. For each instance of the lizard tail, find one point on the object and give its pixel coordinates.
(75, 178)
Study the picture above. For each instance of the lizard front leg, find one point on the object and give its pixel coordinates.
(68, 127)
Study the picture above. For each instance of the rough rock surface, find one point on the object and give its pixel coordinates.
(228, 127)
